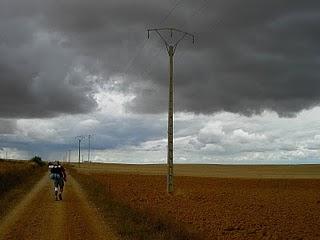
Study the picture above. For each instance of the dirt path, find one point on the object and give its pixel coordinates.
(39, 216)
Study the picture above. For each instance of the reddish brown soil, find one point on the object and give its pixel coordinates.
(219, 208)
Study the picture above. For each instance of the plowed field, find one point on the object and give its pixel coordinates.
(225, 208)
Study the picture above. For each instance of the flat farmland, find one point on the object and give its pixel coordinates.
(221, 202)
(311, 171)
(9, 166)
(16, 177)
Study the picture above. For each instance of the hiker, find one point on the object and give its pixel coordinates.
(58, 175)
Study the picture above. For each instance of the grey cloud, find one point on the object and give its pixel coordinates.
(266, 58)
(8, 126)
(249, 56)
(38, 76)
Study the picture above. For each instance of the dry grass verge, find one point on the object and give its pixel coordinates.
(128, 222)
(16, 179)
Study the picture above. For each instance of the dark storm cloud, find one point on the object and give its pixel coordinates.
(257, 56)
(249, 55)
(38, 76)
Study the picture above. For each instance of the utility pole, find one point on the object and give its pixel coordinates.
(89, 136)
(79, 151)
(69, 155)
(79, 138)
(171, 48)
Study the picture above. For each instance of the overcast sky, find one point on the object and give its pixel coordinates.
(247, 91)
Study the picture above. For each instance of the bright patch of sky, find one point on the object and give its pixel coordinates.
(120, 136)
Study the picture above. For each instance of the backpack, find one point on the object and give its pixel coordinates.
(55, 172)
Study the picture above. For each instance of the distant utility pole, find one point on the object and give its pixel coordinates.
(69, 155)
(79, 138)
(89, 137)
(6, 155)
(171, 48)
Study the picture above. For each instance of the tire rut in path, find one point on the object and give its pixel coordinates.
(39, 216)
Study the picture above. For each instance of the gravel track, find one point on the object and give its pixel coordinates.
(39, 216)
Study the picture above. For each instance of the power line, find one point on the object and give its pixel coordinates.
(197, 12)
(171, 11)
(142, 46)
(146, 73)
(194, 14)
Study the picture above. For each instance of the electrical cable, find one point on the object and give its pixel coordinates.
(144, 43)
